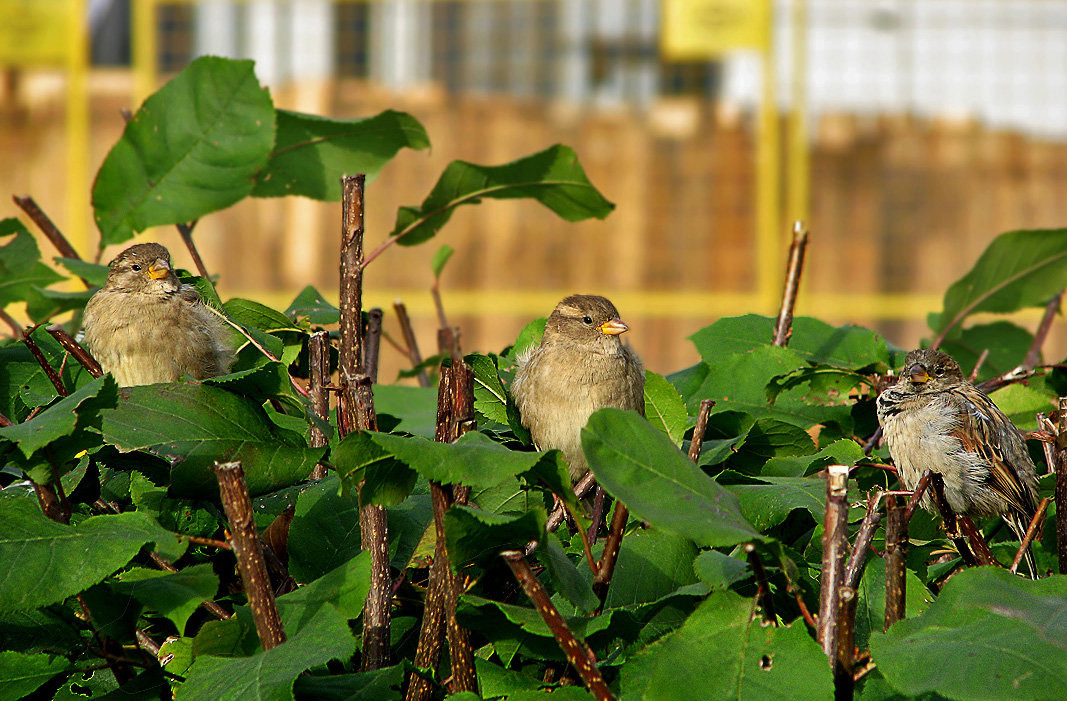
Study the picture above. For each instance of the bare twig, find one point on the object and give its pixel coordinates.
(697, 441)
(896, 543)
(857, 560)
(606, 567)
(49, 371)
(15, 326)
(1034, 352)
(583, 486)
(577, 653)
(846, 646)
(834, 552)
(319, 381)
(1048, 446)
(77, 350)
(246, 547)
(763, 588)
(409, 338)
(1031, 533)
(872, 442)
(917, 495)
(597, 515)
(978, 545)
(1061, 486)
(783, 329)
(372, 344)
(47, 226)
(978, 366)
(186, 231)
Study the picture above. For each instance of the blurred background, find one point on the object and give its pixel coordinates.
(906, 134)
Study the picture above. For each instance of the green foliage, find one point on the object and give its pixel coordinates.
(135, 467)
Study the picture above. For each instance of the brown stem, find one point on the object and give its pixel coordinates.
(244, 540)
(896, 544)
(435, 292)
(409, 339)
(697, 441)
(50, 371)
(581, 488)
(763, 587)
(783, 329)
(872, 442)
(15, 326)
(834, 552)
(917, 495)
(5, 422)
(1031, 533)
(597, 515)
(77, 350)
(432, 628)
(1060, 493)
(186, 231)
(372, 344)
(857, 560)
(146, 643)
(948, 518)
(210, 542)
(51, 504)
(318, 384)
(606, 566)
(978, 366)
(1034, 353)
(577, 652)
(47, 226)
(845, 649)
(977, 542)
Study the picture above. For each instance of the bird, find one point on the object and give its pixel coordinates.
(580, 366)
(933, 418)
(144, 326)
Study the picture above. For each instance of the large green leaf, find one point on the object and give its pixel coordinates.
(664, 407)
(269, 675)
(60, 419)
(474, 460)
(21, 674)
(42, 562)
(651, 565)
(21, 269)
(1018, 269)
(377, 685)
(990, 634)
(641, 467)
(193, 148)
(553, 177)
(1005, 342)
(720, 653)
(311, 153)
(175, 595)
(476, 536)
(203, 424)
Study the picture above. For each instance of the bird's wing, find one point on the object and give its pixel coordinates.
(985, 430)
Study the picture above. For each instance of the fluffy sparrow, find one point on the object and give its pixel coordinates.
(144, 326)
(934, 419)
(580, 366)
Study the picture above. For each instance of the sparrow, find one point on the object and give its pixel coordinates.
(933, 418)
(580, 366)
(144, 326)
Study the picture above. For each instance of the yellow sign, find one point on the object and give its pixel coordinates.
(37, 32)
(706, 29)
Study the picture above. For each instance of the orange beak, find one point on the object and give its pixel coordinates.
(918, 374)
(159, 270)
(613, 327)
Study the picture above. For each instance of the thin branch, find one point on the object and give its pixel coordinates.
(583, 487)
(77, 350)
(577, 652)
(16, 328)
(209, 542)
(372, 344)
(845, 649)
(49, 371)
(763, 588)
(1034, 353)
(597, 515)
(1031, 533)
(409, 338)
(896, 544)
(872, 442)
(949, 521)
(697, 441)
(978, 545)
(857, 560)
(318, 383)
(917, 495)
(834, 552)
(47, 226)
(186, 231)
(978, 366)
(783, 329)
(606, 567)
(244, 540)
(1061, 486)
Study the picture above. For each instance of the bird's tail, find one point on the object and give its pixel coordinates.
(1019, 525)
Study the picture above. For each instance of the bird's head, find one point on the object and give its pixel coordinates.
(929, 371)
(144, 268)
(588, 320)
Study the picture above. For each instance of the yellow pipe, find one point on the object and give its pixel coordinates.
(769, 254)
(77, 227)
(145, 50)
(799, 185)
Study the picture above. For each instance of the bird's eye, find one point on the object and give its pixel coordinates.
(135, 266)
(587, 320)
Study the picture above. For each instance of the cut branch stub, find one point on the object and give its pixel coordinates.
(834, 552)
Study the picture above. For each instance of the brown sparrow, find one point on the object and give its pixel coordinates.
(144, 326)
(934, 419)
(580, 366)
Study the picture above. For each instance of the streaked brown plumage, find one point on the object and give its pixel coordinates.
(144, 326)
(934, 419)
(580, 366)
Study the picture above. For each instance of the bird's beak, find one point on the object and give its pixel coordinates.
(159, 270)
(918, 374)
(613, 327)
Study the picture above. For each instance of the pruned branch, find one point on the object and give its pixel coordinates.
(697, 441)
(763, 588)
(857, 560)
(318, 388)
(1031, 533)
(834, 552)
(845, 649)
(77, 350)
(783, 329)
(606, 566)
(896, 543)
(409, 338)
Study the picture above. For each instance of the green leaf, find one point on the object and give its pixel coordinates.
(344, 587)
(477, 536)
(193, 148)
(310, 303)
(21, 268)
(841, 452)
(416, 407)
(639, 466)
(22, 674)
(566, 578)
(441, 258)
(1007, 345)
(93, 273)
(60, 419)
(358, 459)
(311, 153)
(325, 531)
(491, 400)
(42, 561)
(202, 424)
(270, 675)
(474, 460)
(530, 335)
(870, 602)
(553, 177)
(664, 407)
(719, 570)
(1022, 402)
(1009, 628)
(260, 316)
(377, 685)
(767, 505)
(1018, 269)
(749, 660)
(174, 595)
(651, 564)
